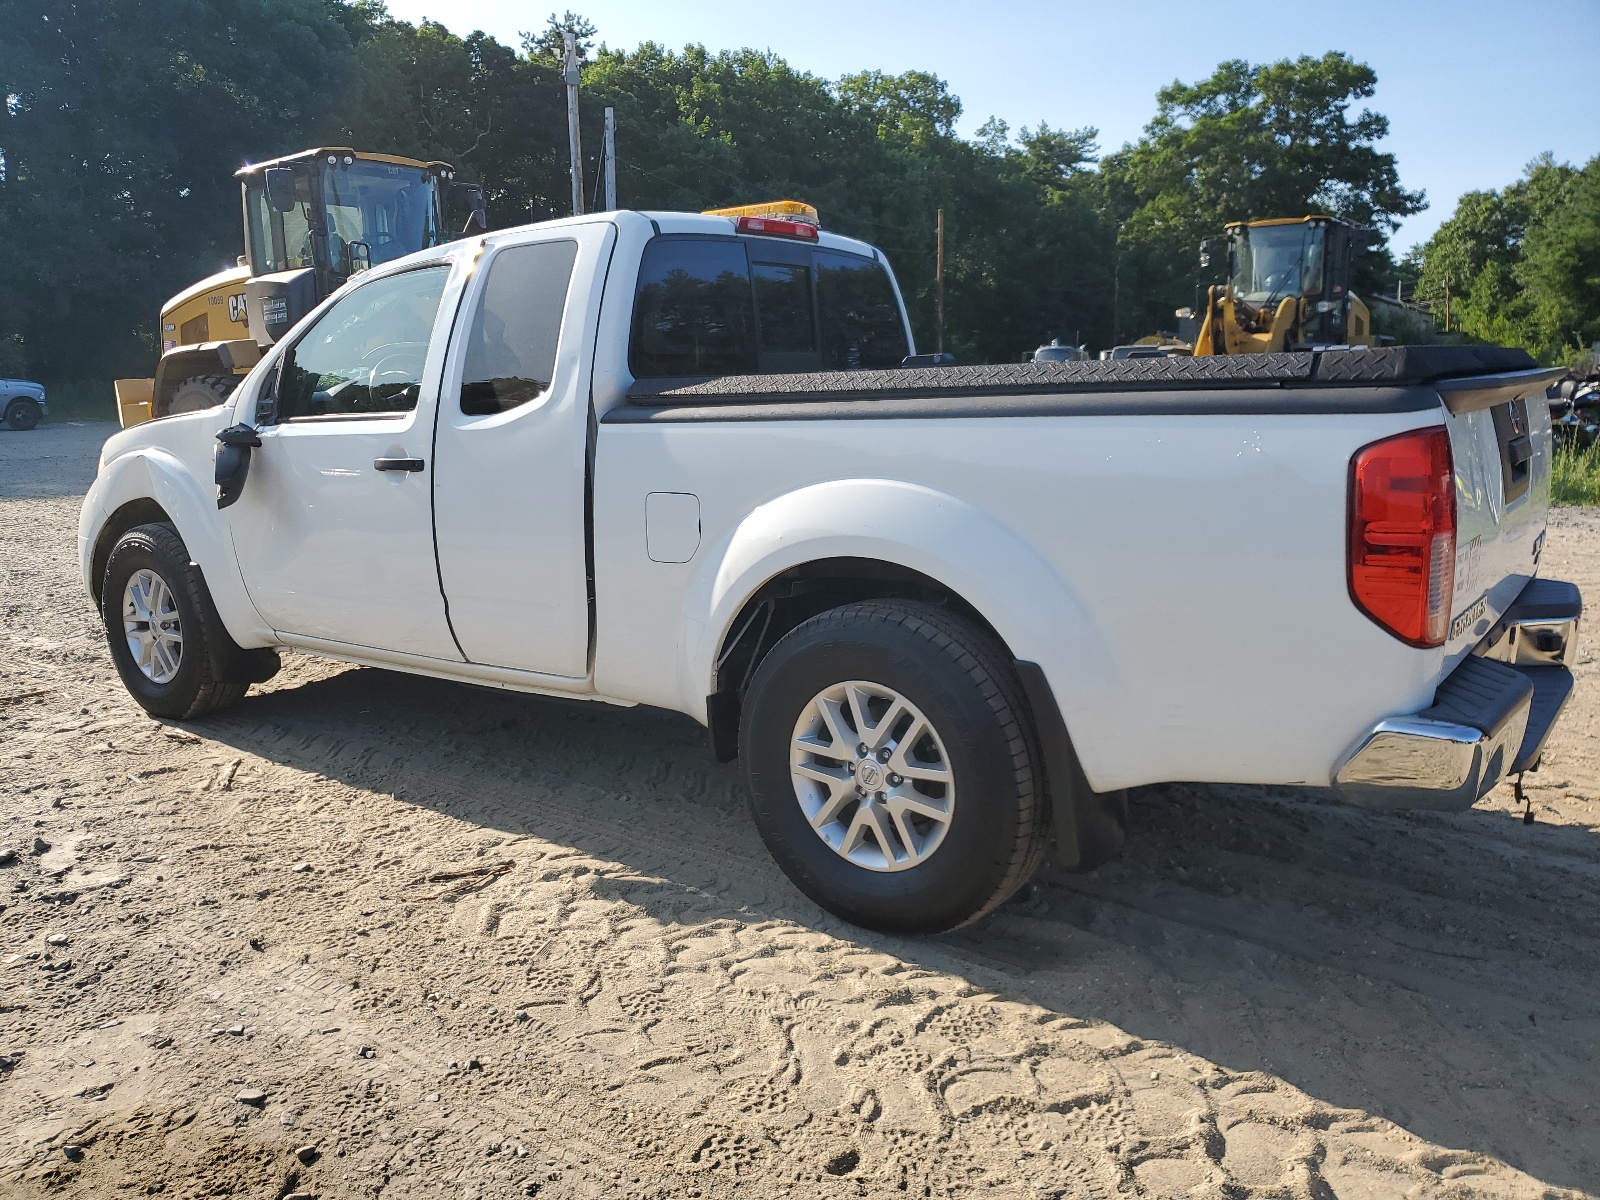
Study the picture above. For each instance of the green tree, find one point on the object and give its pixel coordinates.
(1251, 141)
(123, 123)
(1521, 266)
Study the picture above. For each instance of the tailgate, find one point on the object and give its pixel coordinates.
(1499, 428)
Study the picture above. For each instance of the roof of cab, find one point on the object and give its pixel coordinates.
(683, 222)
(360, 155)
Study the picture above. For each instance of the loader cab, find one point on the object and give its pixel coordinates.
(1307, 259)
(314, 219)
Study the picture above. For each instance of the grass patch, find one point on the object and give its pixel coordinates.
(86, 401)
(1575, 478)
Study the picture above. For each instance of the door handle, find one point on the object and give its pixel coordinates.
(397, 464)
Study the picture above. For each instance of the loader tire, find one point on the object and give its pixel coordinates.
(200, 392)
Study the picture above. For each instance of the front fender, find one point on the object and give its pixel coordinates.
(154, 473)
(984, 561)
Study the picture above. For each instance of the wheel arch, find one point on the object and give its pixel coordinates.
(153, 485)
(856, 539)
(140, 511)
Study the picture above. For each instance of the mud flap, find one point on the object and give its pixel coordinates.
(1090, 826)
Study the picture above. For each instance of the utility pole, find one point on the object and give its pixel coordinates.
(569, 41)
(938, 283)
(611, 160)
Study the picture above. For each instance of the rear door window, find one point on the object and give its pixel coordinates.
(511, 347)
(694, 313)
(861, 325)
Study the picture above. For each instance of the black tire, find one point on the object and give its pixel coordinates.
(1000, 824)
(200, 685)
(23, 414)
(200, 392)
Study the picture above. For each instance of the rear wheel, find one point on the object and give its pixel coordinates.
(200, 392)
(166, 639)
(23, 413)
(892, 768)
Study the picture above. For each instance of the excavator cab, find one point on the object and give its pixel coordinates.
(1287, 287)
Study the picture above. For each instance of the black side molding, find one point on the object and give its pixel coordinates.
(1090, 826)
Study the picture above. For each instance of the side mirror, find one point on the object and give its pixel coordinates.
(280, 188)
(233, 461)
(478, 218)
(1208, 248)
(360, 257)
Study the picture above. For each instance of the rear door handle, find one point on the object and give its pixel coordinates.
(397, 464)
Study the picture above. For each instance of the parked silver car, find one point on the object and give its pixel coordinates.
(22, 403)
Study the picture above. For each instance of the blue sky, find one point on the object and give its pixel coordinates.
(1472, 90)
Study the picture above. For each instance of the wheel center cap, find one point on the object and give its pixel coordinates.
(869, 775)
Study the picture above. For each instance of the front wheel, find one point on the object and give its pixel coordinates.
(23, 414)
(166, 639)
(891, 767)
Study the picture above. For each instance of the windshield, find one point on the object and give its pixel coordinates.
(392, 210)
(1274, 261)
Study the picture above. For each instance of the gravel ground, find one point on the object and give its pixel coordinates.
(369, 933)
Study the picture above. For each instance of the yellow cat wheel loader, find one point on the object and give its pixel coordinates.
(1287, 287)
(311, 220)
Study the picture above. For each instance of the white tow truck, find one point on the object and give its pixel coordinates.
(945, 616)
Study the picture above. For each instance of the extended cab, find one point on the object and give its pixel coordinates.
(944, 615)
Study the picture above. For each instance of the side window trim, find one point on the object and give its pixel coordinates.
(286, 358)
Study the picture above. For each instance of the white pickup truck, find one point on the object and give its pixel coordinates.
(944, 615)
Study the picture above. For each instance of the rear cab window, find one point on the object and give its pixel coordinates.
(713, 305)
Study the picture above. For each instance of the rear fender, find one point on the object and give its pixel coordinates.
(1035, 611)
(150, 473)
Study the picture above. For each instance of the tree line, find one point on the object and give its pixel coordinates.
(124, 121)
(1521, 265)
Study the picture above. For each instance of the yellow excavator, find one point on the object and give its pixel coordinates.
(1287, 287)
(311, 220)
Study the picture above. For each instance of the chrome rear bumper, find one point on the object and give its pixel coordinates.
(1489, 719)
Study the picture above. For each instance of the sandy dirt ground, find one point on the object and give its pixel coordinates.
(373, 934)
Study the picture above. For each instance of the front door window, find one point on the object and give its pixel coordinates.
(364, 356)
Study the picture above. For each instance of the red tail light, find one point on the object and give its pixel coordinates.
(773, 227)
(1403, 534)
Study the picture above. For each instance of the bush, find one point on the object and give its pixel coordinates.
(1575, 478)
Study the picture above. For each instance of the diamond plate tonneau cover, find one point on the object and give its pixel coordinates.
(1391, 366)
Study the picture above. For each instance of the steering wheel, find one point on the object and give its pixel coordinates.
(399, 362)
